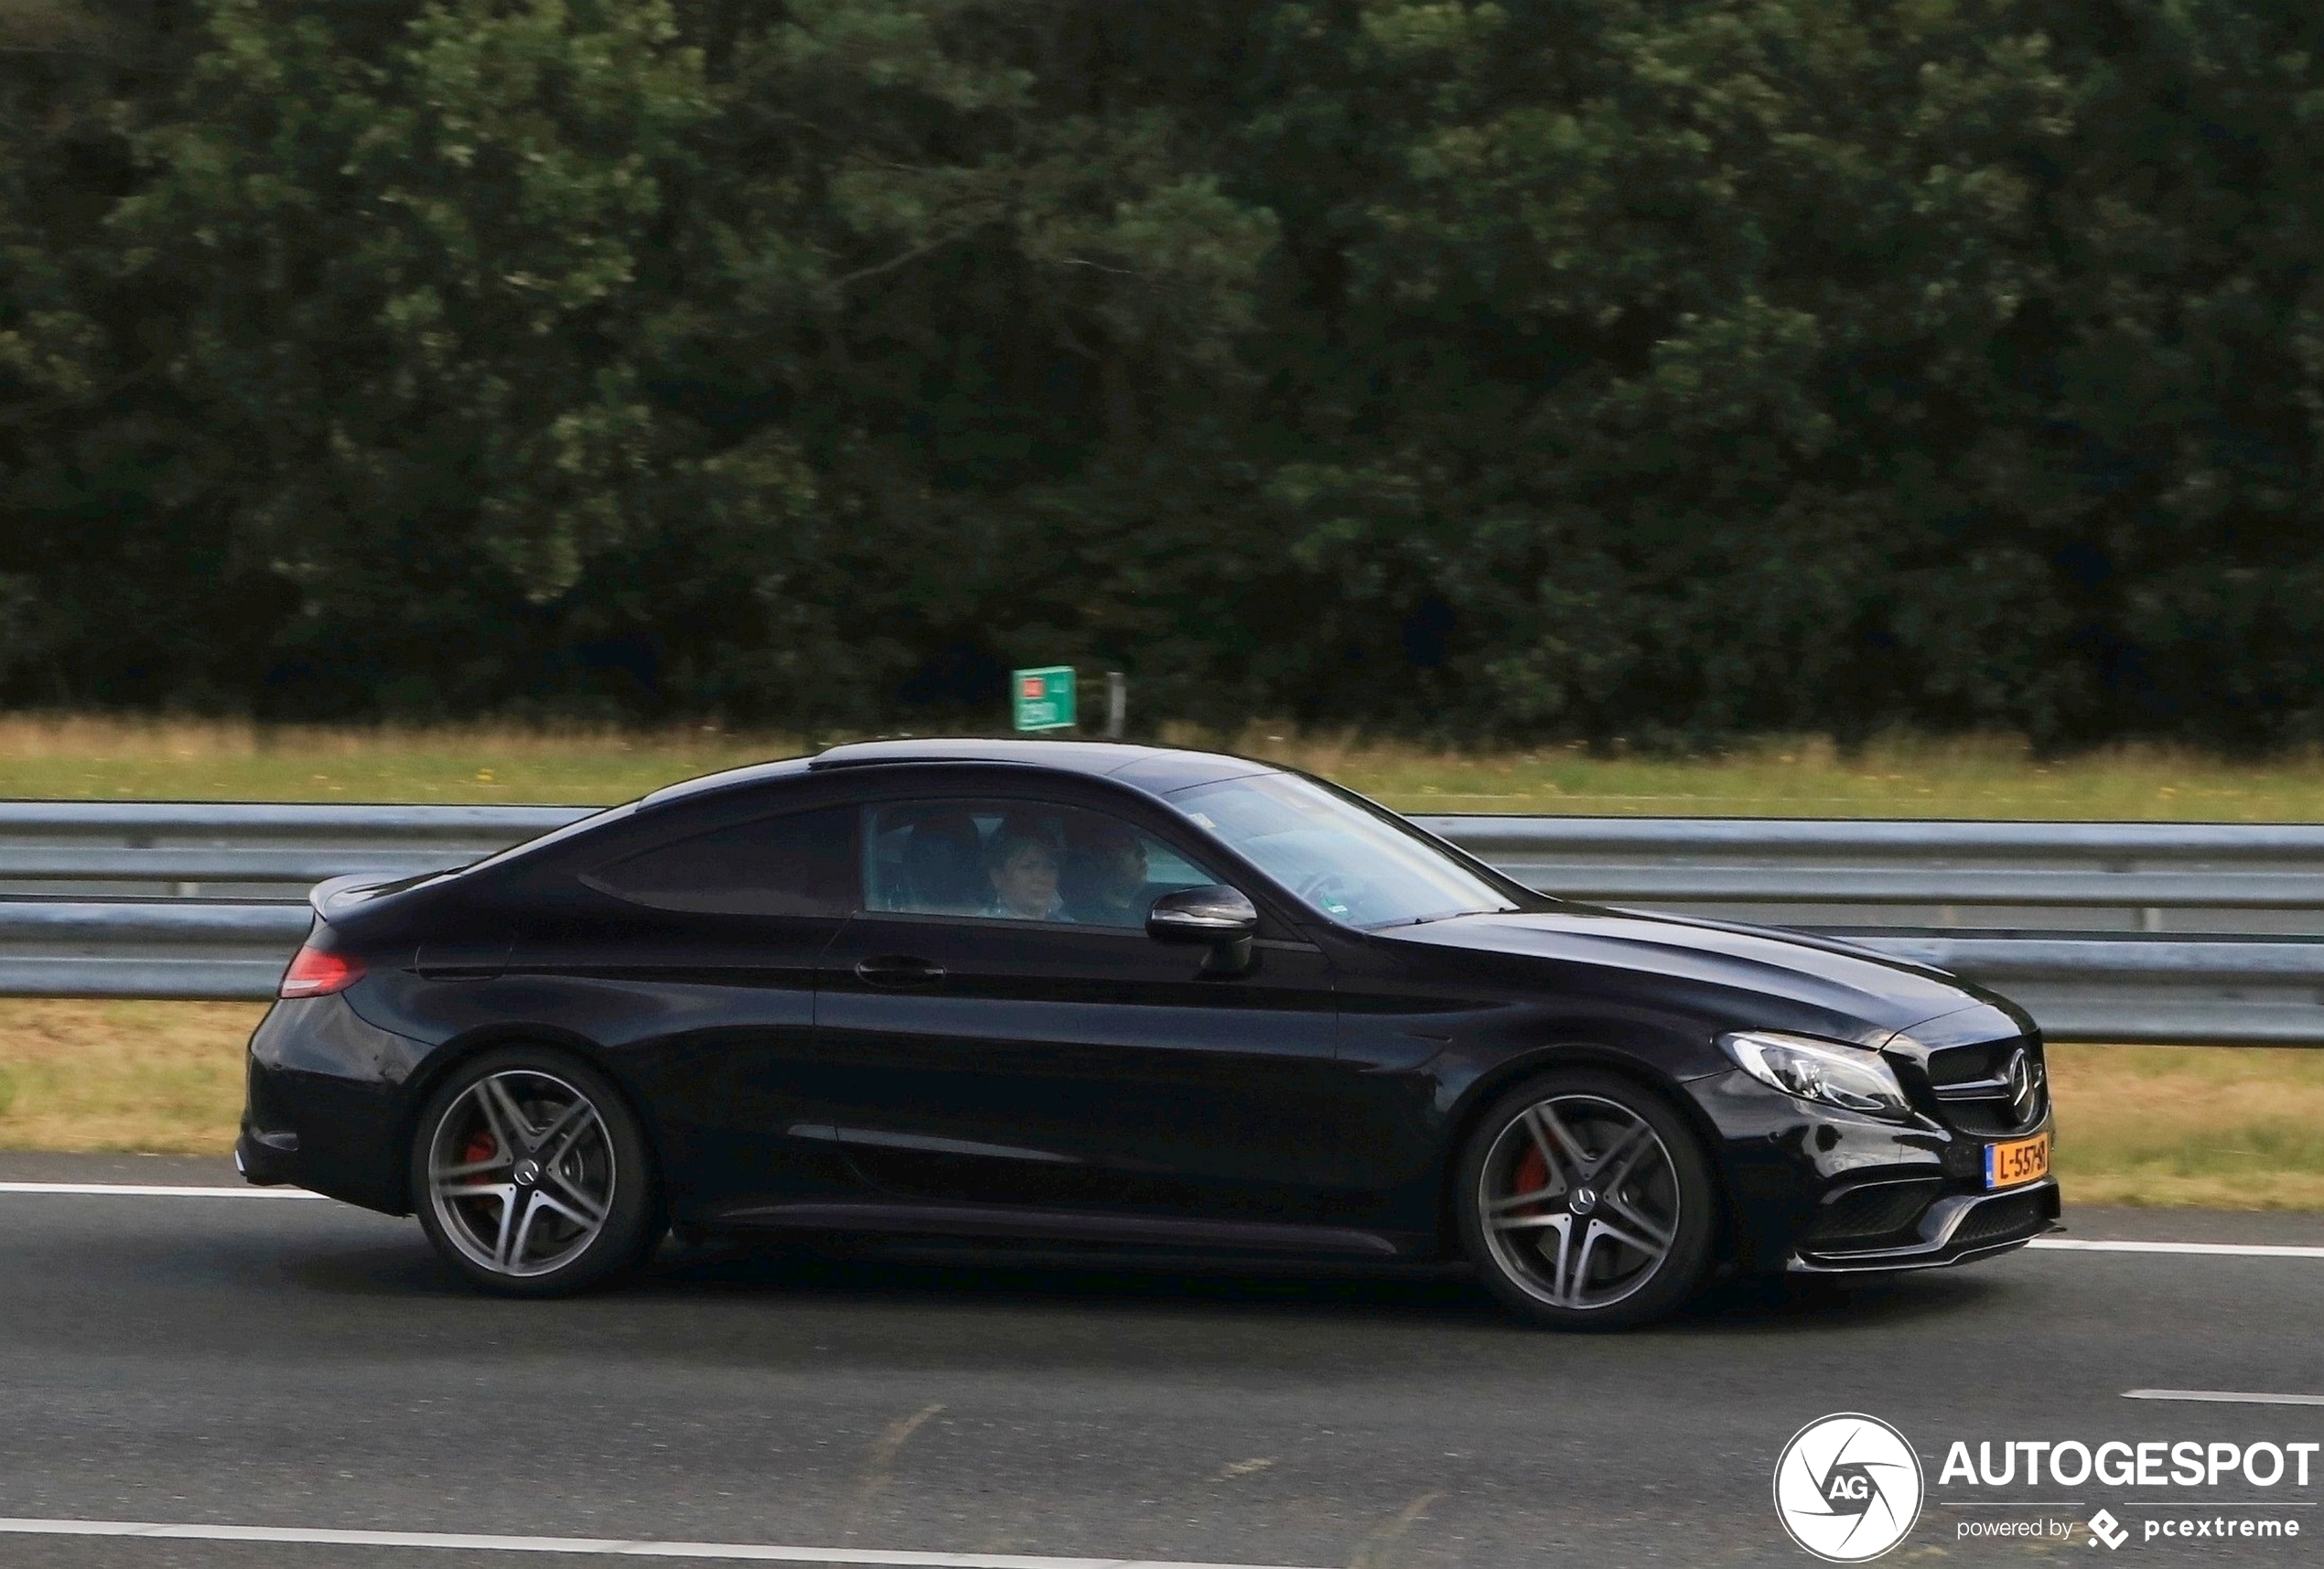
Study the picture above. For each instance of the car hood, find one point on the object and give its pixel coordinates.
(1825, 975)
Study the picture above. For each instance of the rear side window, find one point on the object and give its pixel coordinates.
(800, 865)
(1019, 860)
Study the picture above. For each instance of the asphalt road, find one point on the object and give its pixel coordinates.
(297, 1364)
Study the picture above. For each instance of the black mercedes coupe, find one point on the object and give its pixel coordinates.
(1127, 1001)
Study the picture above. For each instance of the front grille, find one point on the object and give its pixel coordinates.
(1978, 1089)
(1879, 1213)
(2018, 1215)
(1986, 1119)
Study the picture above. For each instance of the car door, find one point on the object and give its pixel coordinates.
(1001, 1031)
(689, 956)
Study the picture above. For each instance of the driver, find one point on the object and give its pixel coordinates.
(1024, 873)
(1110, 875)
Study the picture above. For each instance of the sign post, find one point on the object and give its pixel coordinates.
(1043, 698)
(1117, 704)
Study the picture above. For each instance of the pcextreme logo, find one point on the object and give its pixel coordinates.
(1847, 1488)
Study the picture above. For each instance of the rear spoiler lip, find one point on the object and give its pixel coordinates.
(337, 895)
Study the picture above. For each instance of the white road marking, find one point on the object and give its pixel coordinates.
(146, 1190)
(2060, 1244)
(2238, 1250)
(744, 1552)
(2223, 1397)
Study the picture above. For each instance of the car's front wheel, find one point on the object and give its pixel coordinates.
(1586, 1202)
(531, 1174)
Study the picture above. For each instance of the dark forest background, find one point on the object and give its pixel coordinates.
(1661, 368)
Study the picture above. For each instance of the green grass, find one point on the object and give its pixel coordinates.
(86, 759)
(1974, 777)
(73, 758)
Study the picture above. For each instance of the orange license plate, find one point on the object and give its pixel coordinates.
(2022, 1160)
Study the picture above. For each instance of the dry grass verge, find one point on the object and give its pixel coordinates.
(2209, 1127)
(71, 757)
(2165, 1126)
(151, 1077)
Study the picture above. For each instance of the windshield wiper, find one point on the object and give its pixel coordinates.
(1443, 915)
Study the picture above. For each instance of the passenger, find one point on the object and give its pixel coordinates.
(1024, 871)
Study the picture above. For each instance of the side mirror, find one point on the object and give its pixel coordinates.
(1218, 917)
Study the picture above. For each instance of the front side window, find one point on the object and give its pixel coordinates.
(1343, 859)
(1015, 860)
(800, 865)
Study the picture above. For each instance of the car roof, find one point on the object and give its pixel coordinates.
(1153, 768)
(1075, 757)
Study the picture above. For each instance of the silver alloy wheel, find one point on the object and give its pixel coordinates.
(1579, 1202)
(521, 1171)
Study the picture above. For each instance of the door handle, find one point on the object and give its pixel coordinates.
(898, 970)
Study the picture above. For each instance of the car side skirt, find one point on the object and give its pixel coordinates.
(1071, 1227)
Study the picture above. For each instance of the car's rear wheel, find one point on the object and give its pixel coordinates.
(1587, 1203)
(531, 1174)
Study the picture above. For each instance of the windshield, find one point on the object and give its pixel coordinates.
(1344, 859)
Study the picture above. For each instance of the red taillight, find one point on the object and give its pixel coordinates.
(314, 974)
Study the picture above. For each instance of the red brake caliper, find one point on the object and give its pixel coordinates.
(1532, 1172)
(481, 1147)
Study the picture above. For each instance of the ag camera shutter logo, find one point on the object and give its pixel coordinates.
(1847, 1488)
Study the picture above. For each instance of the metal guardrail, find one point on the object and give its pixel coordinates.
(147, 948)
(2188, 876)
(1881, 837)
(246, 849)
(2198, 932)
(147, 821)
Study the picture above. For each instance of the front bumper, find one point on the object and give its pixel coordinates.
(1816, 1190)
(1952, 1229)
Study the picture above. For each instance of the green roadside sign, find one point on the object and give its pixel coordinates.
(1044, 697)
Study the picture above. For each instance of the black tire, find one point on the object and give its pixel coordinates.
(587, 1212)
(1623, 1254)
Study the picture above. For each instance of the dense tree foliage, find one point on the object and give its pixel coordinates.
(1649, 368)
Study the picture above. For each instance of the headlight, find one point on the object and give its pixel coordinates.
(1851, 1077)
